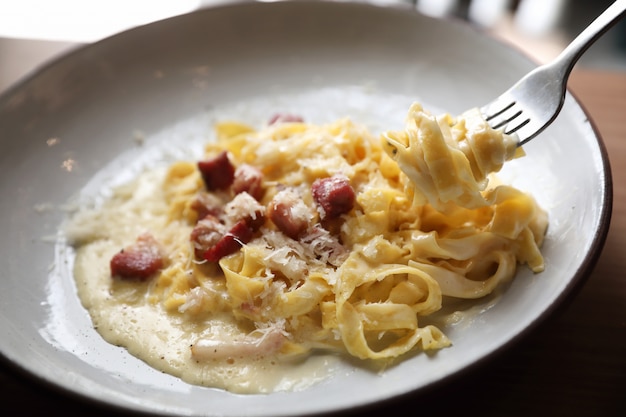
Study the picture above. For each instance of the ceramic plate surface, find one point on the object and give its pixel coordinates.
(98, 115)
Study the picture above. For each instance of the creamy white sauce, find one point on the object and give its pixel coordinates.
(123, 314)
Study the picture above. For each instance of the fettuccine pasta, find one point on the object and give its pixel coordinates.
(297, 238)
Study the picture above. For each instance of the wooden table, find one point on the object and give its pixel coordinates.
(573, 365)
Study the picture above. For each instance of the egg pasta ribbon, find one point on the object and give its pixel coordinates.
(414, 218)
(425, 225)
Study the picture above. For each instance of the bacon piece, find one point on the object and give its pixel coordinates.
(207, 203)
(334, 196)
(248, 179)
(207, 232)
(211, 238)
(290, 215)
(285, 118)
(238, 235)
(244, 207)
(138, 261)
(218, 172)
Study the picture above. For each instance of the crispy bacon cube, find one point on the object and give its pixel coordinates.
(333, 195)
(236, 237)
(285, 118)
(138, 261)
(248, 179)
(218, 172)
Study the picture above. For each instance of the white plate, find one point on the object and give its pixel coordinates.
(72, 128)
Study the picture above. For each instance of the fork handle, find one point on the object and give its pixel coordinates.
(568, 57)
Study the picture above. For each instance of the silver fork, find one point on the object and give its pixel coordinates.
(532, 103)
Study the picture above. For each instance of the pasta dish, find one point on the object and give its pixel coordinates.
(294, 239)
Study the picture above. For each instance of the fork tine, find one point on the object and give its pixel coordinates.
(516, 128)
(501, 112)
(496, 108)
(504, 113)
(504, 121)
(533, 102)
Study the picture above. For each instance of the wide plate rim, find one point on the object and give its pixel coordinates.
(574, 285)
